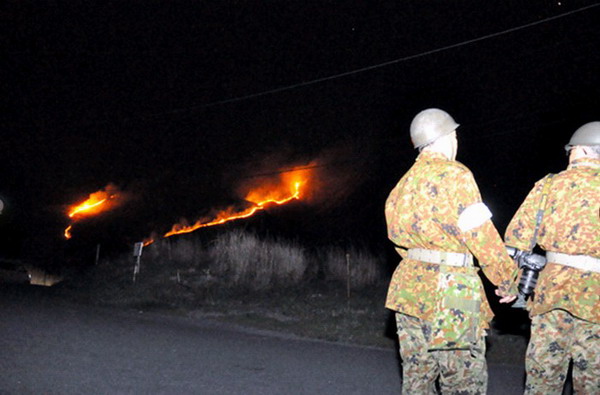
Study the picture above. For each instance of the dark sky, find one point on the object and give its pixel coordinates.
(177, 102)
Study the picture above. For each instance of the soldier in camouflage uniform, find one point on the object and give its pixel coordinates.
(565, 309)
(437, 221)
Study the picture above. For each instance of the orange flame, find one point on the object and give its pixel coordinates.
(97, 202)
(89, 207)
(230, 214)
(287, 187)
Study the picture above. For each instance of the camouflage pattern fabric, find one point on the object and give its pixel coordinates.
(571, 225)
(456, 320)
(557, 337)
(422, 211)
(459, 371)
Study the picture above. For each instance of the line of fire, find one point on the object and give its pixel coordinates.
(260, 193)
(98, 202)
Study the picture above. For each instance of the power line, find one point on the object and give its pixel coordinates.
(388, 63)
(352, 72)
(303, 168)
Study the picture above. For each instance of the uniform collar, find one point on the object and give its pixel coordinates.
(585, 162)
(431, 156)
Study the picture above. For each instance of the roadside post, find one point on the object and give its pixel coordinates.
(348, 279)
(137, 254)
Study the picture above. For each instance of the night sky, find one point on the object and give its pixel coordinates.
(178, 102)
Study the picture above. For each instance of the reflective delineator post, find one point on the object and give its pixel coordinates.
(137, 254)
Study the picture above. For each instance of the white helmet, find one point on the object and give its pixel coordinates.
(588, 135)
(429, 125)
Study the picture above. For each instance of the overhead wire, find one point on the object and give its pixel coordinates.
(351, 72)
(388, 63)
(304, 168)
(354, 72)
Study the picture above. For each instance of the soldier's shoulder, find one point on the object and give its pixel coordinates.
(458, 167)
(551, 177)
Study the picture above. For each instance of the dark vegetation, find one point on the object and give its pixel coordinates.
(333, 293)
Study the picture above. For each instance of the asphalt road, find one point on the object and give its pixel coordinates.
(53, 346)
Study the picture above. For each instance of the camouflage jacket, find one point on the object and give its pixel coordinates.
(571, 225)
(424, 211)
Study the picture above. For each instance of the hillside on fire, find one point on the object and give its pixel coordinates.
(167, 125)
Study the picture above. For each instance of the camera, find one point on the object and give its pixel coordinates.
(531, 264)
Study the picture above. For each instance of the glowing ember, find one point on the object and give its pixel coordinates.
(68, 232)
(97, 202)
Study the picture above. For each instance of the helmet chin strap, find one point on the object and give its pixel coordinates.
(453, 146)
(453, 155)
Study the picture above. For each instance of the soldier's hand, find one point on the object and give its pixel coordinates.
(505, 298)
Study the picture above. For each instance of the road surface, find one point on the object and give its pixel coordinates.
(53, 346)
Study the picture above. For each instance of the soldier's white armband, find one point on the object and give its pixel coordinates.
(473, 217)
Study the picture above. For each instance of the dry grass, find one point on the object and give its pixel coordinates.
(244, 260)
(238, 259)
(357, 267)
(264, 283)
(188, 271)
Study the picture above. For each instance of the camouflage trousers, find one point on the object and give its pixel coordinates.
(556, 338)
(459, 371)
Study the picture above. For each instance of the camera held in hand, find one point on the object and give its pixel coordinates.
(531, 265)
